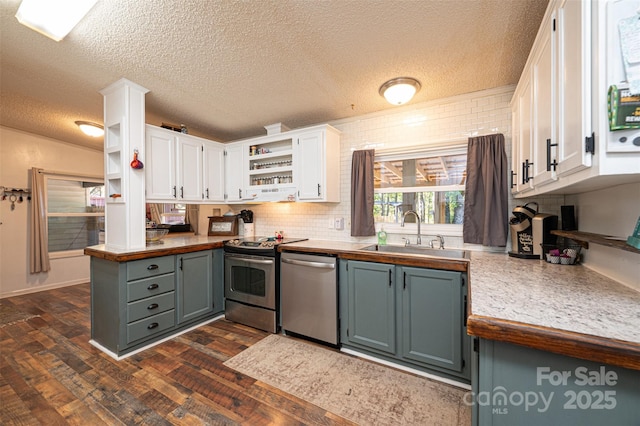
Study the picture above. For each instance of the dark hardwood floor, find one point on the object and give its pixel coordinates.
(51, 375)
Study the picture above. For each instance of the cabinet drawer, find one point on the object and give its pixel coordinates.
(150, 326)
(150, 306)
(150, 287)
(144, 268)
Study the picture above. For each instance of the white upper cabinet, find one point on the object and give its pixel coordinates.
(522, 154)
(160, 164)
(317, 165)
(235, 171)
(568, 74)
(213, 181)
(182, 168)
(189, 168)
(543, 105)
(573, 34)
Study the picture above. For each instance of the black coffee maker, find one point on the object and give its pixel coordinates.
(530, 230)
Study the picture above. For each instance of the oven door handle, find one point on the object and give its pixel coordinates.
(255, 261)
(320, 265)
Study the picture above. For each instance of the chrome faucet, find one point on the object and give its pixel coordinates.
(439, 239)
(419, 240)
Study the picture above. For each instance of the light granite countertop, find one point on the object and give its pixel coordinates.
(562, 297)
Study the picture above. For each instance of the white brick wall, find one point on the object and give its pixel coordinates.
(445, 121)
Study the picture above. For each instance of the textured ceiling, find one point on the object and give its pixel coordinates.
(227, 68)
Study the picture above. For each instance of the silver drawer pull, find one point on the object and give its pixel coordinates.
(152, 306)
(152, 267)
(152, 286)
(320, 265)
(152, 325)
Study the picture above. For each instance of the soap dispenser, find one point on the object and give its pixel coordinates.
(382, 237)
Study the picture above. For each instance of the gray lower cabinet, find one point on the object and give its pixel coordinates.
(523, 386)
(137, 302)
(432, 317)
(194, 289)
(413, 316)
(372, 306)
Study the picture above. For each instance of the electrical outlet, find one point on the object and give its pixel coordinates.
(339, 223)
(331, 224)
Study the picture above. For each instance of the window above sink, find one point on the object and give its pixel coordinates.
(432, 183)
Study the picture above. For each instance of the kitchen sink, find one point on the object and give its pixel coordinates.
(422, 250)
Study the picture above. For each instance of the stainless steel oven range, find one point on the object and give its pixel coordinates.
(252, 281)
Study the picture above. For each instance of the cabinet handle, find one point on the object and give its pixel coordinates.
(152, 286)
(465, 311)
(207, 193)
(152, 325)
(181, 264)
(174, 191)
(318, 190)
(512, 184)
(390, 277)
(152, 306)
(152, 267)
(404, 280)
(182, 192)
(549, 163)
(525, 171)
(240, 193)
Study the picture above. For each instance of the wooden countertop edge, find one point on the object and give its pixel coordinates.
(419, 261)
(593, 348)
(156, 252)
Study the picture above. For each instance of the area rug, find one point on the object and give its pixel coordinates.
(358, 390)
(10, 315)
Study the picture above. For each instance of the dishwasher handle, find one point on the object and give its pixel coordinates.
(319, 265)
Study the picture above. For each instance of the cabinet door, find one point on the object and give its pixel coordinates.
(372, 319)
(159, 165)
(310, 165)
(195, 285)
(523, 104)
(432, 325)
(543, 81)
(189, 169)
(213, 172)
(573, 32)
(234, 172)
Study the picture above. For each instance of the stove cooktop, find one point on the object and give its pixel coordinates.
(261, 242)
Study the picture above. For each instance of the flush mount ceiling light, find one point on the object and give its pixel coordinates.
(53, 18)
(91, 129)
(399, 90)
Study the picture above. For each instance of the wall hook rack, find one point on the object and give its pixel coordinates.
(15, 195)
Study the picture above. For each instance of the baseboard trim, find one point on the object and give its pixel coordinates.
(407, 369)
(44, 288)
(152, 344)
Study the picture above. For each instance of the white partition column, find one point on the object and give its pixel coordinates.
(124, 115)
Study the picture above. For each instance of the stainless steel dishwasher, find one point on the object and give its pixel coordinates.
(309, 296)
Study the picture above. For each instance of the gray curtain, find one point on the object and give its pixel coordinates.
(39, 238)
(486, 216)
(362, 223)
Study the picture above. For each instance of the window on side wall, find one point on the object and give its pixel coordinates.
(429, 183)
(75, 215)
